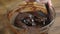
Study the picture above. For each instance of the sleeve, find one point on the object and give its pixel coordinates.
(42, 1)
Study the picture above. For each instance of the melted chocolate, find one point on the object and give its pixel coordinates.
(36, 18)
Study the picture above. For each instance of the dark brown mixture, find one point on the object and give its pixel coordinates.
(31, 19)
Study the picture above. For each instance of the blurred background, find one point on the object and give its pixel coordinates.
(5, 5)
